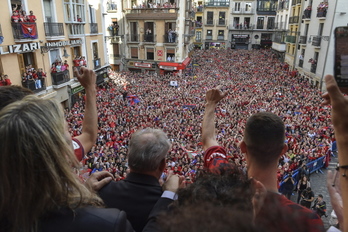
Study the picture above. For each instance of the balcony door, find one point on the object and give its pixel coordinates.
(48, 12)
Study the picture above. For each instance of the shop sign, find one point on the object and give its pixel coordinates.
(142, 65)
(169, 68)
(20, 48)
(64, 43)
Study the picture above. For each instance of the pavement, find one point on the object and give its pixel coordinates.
(318, 184)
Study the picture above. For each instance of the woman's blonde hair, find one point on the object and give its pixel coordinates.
(37, 161)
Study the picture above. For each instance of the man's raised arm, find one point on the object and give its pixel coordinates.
(88, 137)
(213, 96)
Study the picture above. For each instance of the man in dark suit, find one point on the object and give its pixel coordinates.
(139, 192)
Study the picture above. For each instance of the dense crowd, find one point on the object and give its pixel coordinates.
(255, 82)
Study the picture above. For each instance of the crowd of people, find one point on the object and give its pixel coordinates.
(194, 123)
(5, 80)
(254, 85)
(154, 5)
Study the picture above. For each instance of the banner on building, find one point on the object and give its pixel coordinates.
(29, 30)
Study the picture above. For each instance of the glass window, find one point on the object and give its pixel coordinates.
(74, 10)
(134, 52)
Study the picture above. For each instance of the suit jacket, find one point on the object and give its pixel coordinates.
(136, 195)
(86, 219)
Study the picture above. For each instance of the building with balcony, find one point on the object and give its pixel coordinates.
(155, 38)
(63, 30)
(313, 51)
(215, 23)
(281, 29)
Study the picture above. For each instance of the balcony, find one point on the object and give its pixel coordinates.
(290, 39)
(307, 14)
(111, 7)
(280, 26)
(217, 3)
(243, 10)
(313, 68)
(152, 13)
(151, 38)
(94, 28)
(293, 19)
(76, 30)
(298, 2)
(241, 27)
(59, 78)
(133, 38)
(54, 29)
(300, 63)
(209, 22)
(220, 37)
(316, 41)
(221, 23)
(303, 39)
(209, 37)
(168, 39)
(321, 13)
(199, 9)
(96, 63)
(35, 86)
(267, 10)
(198, 24)
(24, 31)
(259, 26)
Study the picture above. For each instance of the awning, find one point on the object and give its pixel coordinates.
(174, 66)
(186, 61)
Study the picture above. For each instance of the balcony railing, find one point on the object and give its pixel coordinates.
(221, 22)
(54, 29)
(133, 38)
(307, 14)
(290, 39)
(209, 22)
(217, 3)
(96, 63)
(35, 86)
(198, 24)
(209, 37)
(243, 10)
(283, 5)
(293, 19)
(150, 38)
(24, 31)
(143, 11)
(316, 41)
(298, 1)
(271, 26)
(259, 26)
(60, 77)
(111, 7)
(242, 27)
(300, 63)
(94, 28)
(313, 68)
(199, 9)
(220, 37)
(321, 13)
(303, 39)
(168, 39)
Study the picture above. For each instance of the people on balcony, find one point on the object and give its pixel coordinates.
(4, 80)
(148, 35)
(15, 18)
(307, 12)
(31, 17)
(24, 17)
(322, 9)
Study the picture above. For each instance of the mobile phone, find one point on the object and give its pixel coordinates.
(341, 56)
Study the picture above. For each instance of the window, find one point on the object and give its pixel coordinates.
(236, 22)
(76, 51)
(116, 50)
(210, 17)
(248, 6)
(267, 5)
(26, 59)
(170, 53)
(54, 55)
(48, 12)
(149, 32)
(209, 34)
(134, 32)
(92, 13)
(237, 6)
(222, 19)
(217, 2)
(198, 35)
(260, 22)
(221, 35)
(150, 55)
(74, 10)
(271, 23)
(134, 52)
(95, 50)
(321, 27)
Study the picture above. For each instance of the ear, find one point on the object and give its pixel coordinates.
(259, 196)
(285, 149)
(243, 147)
(162, 165)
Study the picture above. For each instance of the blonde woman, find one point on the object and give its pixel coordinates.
(39, 191)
